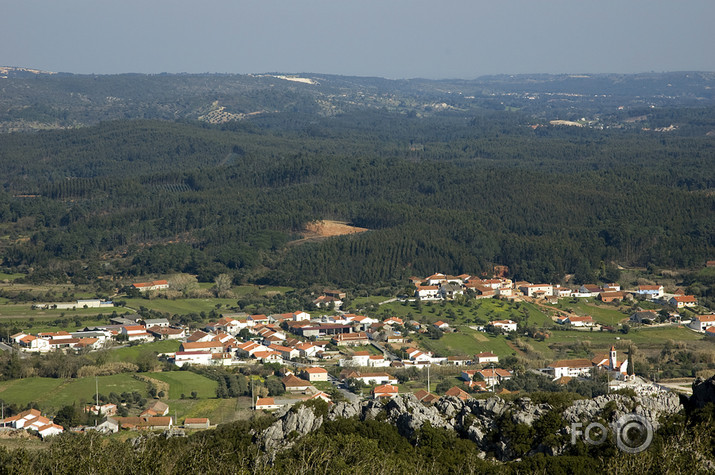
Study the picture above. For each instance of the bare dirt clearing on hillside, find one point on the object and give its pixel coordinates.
(327, 228)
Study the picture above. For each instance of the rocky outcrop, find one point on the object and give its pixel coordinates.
(294, 424)
(703, 393)
(476, 419)
(613, 406)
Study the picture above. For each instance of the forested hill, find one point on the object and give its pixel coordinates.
(34, 100)
(446, 192)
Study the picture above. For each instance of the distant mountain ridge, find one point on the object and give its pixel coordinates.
(32, 99)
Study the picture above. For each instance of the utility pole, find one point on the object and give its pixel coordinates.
(428, 386)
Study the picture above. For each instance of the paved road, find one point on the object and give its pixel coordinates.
(352, 397)
(388, 355)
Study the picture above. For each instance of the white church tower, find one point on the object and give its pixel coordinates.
(612, 360)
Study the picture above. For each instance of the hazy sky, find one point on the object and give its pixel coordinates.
(388, 38)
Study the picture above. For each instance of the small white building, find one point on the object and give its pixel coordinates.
(650, 291)
(571, 368)
(315, 374)
(702, 322)
(427, 292)
(681, 301)
(505, 325)
(486, 357)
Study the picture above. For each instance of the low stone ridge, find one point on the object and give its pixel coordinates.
(476, 419)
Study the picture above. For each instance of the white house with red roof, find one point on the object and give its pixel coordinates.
(559, 291)
(267, 404)
(250, 348)
(307, 350)
(375, 378)
(650, 291)
(225, 324)
(325, 301)
(136, 333)
(428, 292)
(285, 352)
(436, 279)
(258, 319)
(393, 321)
(200, 358)
(537, 290)
(268, 356)
(576, 321)
(385, 391)
(495, 376)
(203, 346)
(292, 316)
(34, 344)
(351, 339)
(418, 356)
(358, 358)
(153, 285)
(571, 368)
(682, 301)
(33, 419)
(198, 335)
(167, 333)
(315, 373)
(702, 322)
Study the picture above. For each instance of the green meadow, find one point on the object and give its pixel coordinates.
(131, 353)
(186, 382)
(51, 394)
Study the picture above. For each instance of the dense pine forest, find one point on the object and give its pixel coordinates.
(453, 191)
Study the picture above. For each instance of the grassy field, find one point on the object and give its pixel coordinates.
(359, 302)
(218, 411)
(643, 337)
(51, 394)
(65, 324)
(25, 311)
(180, 306)
(10, 277)
(601, 313)
(130, 353)
(466, 342)
(184, 382)
(453, 313)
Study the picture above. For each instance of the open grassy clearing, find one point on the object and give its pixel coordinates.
(604, 314)
(131, 353)
(218, 411)
(25, 311)
(466, 342)
(54, 325)
(185, 382)
(474, 312)
(180, 306)
(643, 337)
(51, 394)
(360, 302)
(10, 277)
